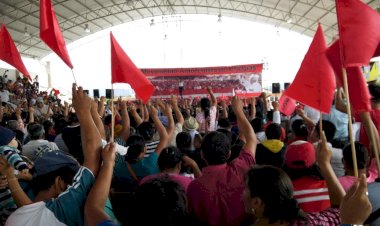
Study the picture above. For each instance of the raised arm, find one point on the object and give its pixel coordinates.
(213, 99)
(164, 136)
(146, 112)
(336, 191)
(96, 199)
(224, 109)
(96, 117)
(135, 115)
(31, 114)
(101, 107)
(276, 113)
(305, 119)
(339, 102)
(91, 140)
(244, 126)
(177, 112)
(253, 108)
(126, 126)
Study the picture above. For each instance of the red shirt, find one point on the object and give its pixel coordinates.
(216, 198)
(363, 138)
(312, 195)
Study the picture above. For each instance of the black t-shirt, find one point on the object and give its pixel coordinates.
(72, 138)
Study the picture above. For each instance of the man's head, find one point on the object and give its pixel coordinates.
(273, 131)
(53, 172)
(257, 125)
(136, 149)
(329, 129)
(36, 131)
(7, 137)
(40, 103)
(183, 141)
(216, 148)
(362, 157)
(224, 123)
(146, 130)
(170, 159)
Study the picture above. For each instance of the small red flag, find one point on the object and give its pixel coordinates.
(314, 84)
(50, 31)
(125, 71)
(9, 52)
(287, 105)
(359, 31)
(357, 86)
(56, 92)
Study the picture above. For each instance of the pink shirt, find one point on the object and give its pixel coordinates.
(216, 198)
(201, 120)
(180, 179)
(348, 181)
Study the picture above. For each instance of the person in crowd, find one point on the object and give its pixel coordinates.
(37, 144)
(55, 202)
(258, 126)
(363, 163)
(300, 164)
(272, 150)
(206, 117)
(269, 195)
(170, 162)
(191, 126)
(4, 94)
(42, 110)
(299, 130)
(71, 138)
(215, 197)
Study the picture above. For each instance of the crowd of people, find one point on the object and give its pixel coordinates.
(180, 162)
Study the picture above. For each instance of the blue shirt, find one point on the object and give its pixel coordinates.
(146, 166)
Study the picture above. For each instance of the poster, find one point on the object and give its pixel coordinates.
(243, 79)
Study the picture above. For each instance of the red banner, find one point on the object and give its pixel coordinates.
(246, 80)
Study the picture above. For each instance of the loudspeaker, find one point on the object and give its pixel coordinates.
(286, 85)
(275, 87)
(109, 93)
(86, 91)
(96, 93)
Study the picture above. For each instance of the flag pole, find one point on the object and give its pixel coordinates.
(351, 134)
(72, 72)
(113, 117)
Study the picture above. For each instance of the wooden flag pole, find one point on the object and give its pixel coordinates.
(113, 117)
(72, 72)
(351, 135)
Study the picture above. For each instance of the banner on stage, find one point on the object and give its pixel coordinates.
(245, 79)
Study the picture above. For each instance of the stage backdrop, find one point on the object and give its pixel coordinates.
(245, 80)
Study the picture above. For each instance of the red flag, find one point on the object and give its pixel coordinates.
(9, 52)
(314, 84)
(287, 105)
(125, 71)
(50, 32)
(359, 31)
(56, 92)
(357, 86)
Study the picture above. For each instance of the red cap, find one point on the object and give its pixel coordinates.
(300, 155)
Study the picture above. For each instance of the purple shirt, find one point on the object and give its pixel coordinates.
(216, 198)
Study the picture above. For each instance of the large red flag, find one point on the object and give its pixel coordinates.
(50, 32)
(357, 86)
(125, 71)
(314, 84)
(9, 52)
(359, 31)
(287, 105)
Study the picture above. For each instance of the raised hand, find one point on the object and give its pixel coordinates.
(81, 102)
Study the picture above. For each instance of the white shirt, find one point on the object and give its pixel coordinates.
(42, 111)
(336, 159)
(4, 95)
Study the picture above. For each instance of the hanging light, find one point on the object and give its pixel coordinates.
(219, 18)
(26, 33)
(86, 28)
(152, 22)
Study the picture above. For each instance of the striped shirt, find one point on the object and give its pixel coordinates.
(151, 147)
(312, 195)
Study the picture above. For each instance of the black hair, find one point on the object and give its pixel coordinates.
(224, 123)
(165, 201)
(108, 120)
(205, 106)
(136, 145)
(313, 172)
(273, 186)
(44, 182)
(47, 125)
(146, 130)
(73, 118)
(299, 128)
(257, 124)
(216, 147)
(329, 129)
(183, 141)
(374, 90)
(270, 115)
(169, 158)
(36, 131)
(229, 134)
(273, 131)
(361, 156)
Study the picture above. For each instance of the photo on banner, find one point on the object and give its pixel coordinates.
(245, 79)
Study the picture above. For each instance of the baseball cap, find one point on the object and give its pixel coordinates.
(300, 155)
(6, 136)
(54, 160)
